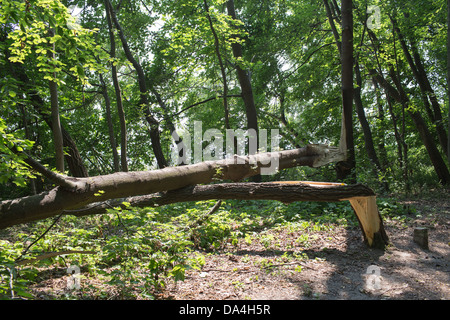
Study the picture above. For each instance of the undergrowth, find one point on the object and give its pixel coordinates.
(133, 253)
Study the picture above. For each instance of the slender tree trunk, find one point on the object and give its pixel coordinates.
(401, 144)
(427, 93)
(177, 139)
(246, 85)
(73, 193)
(333, 26)
(222, 67)
(448, 78)
(28, 137)
(368, 138)
(296, 140)
(380, 132)
(346, 168)
(244, 79)
(433, 152)
(118, 91)
(73, 157)
(144, 103)
(112, 139)
(56, 124)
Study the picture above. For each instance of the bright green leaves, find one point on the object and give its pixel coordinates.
(12, 166)
(46, 24)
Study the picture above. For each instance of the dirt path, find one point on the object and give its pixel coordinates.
(333, 266)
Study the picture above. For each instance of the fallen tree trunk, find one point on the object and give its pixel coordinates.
(361, 198)
(72, 193)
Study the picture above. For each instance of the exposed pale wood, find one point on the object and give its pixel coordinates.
(370, 220)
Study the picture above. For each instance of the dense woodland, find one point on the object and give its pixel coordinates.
(90, 89)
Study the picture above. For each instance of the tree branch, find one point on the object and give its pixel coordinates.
(206, 100)
(283, 191)
(69, 183)
(126, 184)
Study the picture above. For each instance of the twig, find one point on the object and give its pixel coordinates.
(41, 236)
(51, 226)
(206, 100)
(202, 218)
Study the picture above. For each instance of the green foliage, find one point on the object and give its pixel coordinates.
(287, 50)
(139, 250)
(293, 62)
(12, 166)
(34, 38)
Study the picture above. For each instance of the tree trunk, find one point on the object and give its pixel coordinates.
(400, 96)
(56, 124)
(448, 78)
(427, 93)
(380, 132)
(28, 137)
(144, 103)
(401, 144)
(361, 198)
(118, 91)
(333, 26)
(244, 79)
(246, 86)
(112, 139)
(427, 138)
(368, 138)
(221, 65)
(73, 158)
(74, 193)
(346, 168)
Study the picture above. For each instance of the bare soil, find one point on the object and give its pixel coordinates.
(333, 266)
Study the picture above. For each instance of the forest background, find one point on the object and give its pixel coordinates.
(90, 88)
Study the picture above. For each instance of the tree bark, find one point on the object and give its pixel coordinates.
(74, 193)
(221, 65)
(112, 139)
(144, 103)
(118, 91)
(244, 79)
(73, 157)
(333, 26)
(361, 198)
(346, 168)
(427, 92)
(448, 78)
(246, 85)
(380, 132)
(368, 138)
(283, 191)
(56, 124)
(400, 96)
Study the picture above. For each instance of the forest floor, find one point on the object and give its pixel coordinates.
(290, 263)
(333, 266)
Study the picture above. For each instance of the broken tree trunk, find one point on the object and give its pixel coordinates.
(73, 193)
(361, 198)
